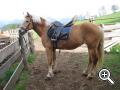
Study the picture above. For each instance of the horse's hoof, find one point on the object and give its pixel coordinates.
(47, 78)
(84, 74)
(57, 71)
(89, 77)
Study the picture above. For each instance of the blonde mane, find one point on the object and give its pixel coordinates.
(36, 19)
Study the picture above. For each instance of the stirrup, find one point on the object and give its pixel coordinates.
(53, 39)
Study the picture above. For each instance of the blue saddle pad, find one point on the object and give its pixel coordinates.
(64, 33)
(58, 32)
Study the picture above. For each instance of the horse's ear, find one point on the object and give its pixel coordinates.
(42, 20)
(28, 14)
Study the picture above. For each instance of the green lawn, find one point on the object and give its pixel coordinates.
(106, 19)
(109, 21)
(112, 62)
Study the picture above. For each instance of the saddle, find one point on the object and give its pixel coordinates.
(58, 31)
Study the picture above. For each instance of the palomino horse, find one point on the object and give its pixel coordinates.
(85, 33)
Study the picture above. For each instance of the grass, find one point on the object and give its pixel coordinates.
(23, 77)
(21, 84)
(112, 62)
(115, 49)
(105, 19)
(8, 74)
(35, 36)
(31, 58)
(109, 21)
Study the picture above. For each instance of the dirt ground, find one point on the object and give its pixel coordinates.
(70, 64)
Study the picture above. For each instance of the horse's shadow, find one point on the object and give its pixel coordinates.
(88, 84)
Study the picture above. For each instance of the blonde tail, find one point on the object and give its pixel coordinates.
(101, 50)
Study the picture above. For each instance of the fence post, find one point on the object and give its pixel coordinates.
(23, 54)
(31, 42)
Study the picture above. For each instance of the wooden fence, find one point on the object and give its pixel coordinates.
(112, 36)
(18, 50)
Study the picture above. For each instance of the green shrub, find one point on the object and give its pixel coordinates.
(112, 62)
(115, 49)
(21, 84)
(10, 26)
(8, 74)
(31, 58)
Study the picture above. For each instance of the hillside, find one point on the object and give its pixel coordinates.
(9, 26)
(3, 23)
(106, 19)
(109, 19)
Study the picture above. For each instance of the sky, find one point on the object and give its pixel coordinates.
(16, 9)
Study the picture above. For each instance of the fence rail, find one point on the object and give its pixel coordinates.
(8, 50)
(9, 62)
(10, 84)
(16, 51)
(112, 37)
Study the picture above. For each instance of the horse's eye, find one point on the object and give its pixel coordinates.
(27, 21)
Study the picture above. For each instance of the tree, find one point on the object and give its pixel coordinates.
(114, 8)
(102, 11)
(10, 26)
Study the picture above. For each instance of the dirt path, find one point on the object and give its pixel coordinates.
(71, 64)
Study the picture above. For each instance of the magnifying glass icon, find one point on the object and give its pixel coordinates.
(104, 74)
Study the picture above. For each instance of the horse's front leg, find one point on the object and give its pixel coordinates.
(50, 57)
(54, 59)
(54, 63)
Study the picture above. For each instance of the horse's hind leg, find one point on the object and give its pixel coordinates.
(86, 71)
(94, 60)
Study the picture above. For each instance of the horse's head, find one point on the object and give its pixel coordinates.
(28, 22)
